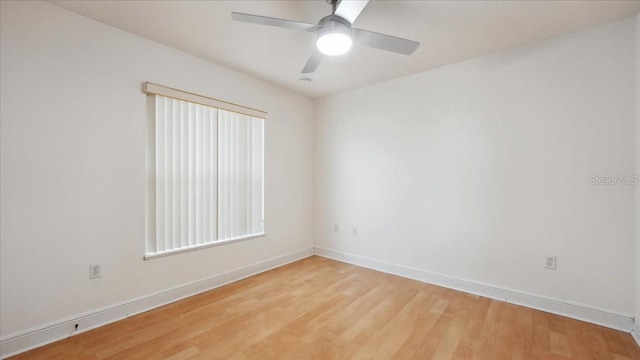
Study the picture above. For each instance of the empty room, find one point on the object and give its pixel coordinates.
(320, 179)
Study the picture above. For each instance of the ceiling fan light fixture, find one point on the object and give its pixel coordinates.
(334, 43)
(334, 36)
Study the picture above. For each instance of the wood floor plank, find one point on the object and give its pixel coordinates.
(559, 344)
(319, 308)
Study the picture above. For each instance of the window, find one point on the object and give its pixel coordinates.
(206, 172)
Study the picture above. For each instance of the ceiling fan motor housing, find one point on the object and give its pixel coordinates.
(333, 24)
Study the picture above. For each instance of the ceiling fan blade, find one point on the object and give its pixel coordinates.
(350, 9)
(264, 20)
(384, 42)
(314, 60)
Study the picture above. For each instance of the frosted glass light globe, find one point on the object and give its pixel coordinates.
(334, 43)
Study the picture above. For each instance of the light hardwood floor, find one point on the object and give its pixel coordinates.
(318, 308)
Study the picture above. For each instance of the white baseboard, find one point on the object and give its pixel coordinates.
(48, 333)
(636, 331)
(586, 313)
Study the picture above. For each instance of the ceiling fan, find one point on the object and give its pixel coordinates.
(334, 34)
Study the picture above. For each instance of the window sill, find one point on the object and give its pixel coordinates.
(201, 246)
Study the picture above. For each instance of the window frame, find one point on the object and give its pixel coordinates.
(151, 89)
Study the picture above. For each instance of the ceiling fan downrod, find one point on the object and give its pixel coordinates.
(334, 4)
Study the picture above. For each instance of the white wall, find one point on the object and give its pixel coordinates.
(478, 170)
(73, 124)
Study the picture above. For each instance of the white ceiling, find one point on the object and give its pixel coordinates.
(450, 31)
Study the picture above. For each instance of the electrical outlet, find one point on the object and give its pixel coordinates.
(336, 229)
(550, 262)
(95, 271)
(354, 231)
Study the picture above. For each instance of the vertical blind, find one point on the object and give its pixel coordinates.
(239, 175)
(208, 176)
